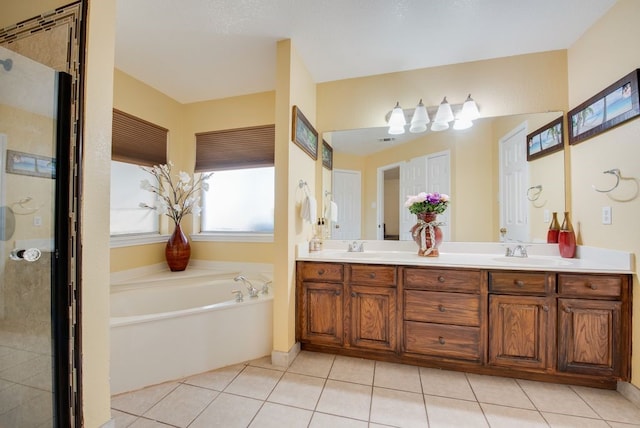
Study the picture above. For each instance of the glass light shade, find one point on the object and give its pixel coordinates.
(460, 124)
(397, 117)
(444, 113)
(469, 109)
(396, 130)
(420, 119)
(439, 126)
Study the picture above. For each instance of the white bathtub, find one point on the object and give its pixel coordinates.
(165, 329)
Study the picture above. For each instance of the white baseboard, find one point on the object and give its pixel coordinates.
(284, 359)
(630, 392)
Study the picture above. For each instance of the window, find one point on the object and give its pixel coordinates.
(239, 201)
(135, 142)
(126, 195)
(241, 192)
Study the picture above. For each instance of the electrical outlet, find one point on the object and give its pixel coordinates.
(547, 216)
(37, 221)
(606, 215)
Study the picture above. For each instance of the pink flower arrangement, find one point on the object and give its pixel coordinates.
(427, 203)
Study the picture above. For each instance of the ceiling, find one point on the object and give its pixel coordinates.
(195, 50)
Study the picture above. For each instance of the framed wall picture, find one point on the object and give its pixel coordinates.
(30, 164)
(610, 107)
(327, 155)
(303, 134)
(546, 139)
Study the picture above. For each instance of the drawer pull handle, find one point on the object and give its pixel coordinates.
(545, 308)
(372, 275)
(441, 340)
(441, 308)
(567, 309)
(592, 286)
(321, 272)
(518, 282)
(338, 292)
(354, 294)
(441, 278)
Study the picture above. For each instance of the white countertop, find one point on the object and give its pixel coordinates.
(541, 257)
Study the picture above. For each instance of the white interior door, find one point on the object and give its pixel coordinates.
(514, 178)
(413, 180)
(347, 196)
(439, 180)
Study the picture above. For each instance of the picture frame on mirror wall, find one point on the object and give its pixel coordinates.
(30, 164)
(303, 134)
(612, 106)
(546, 139)
(327, 155)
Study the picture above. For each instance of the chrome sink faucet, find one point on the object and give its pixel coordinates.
(517, 251)
(356, 247)
(253, 291)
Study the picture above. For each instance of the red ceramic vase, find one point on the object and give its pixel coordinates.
(421, 231)
(178, 251)
(567, 238)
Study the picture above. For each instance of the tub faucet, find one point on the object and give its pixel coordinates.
(239, 295)
(265, 287)
(253, 291)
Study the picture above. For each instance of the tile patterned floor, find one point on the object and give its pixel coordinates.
(321, 390)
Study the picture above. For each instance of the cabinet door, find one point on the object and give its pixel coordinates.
(373, 317)
(519, 334)
(589, 336)
(321, 319)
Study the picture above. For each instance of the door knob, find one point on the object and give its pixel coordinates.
(29, 255)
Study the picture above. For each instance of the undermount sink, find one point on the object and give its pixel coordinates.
(533, 261)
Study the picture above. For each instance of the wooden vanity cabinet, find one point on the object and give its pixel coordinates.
(443, 313)
(521, 319)
(593, 324)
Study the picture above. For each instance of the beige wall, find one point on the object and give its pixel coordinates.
(605, 53)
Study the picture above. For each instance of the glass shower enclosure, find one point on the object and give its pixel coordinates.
(35, 336)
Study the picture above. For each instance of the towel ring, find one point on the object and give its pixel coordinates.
(534, 196)
(614, 171)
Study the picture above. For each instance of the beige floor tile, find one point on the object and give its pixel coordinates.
(323, 420)
(555, 398)
(17, 395)
(273, 415)
(446, 383)
(356, 370)
(621, 425)
(398, 408)
(397, 376)
(374, 425)
(122, 419)
(147, 423)
(610, 405)
(511, 417)
(138, 402)
(298, 390)
(228, 411)
(182, 405)
(499, 390)
(450, 412)
(254, 382)
(216, 379)
(36, 411)
(556, 420)
(345, 399)
(312, 364)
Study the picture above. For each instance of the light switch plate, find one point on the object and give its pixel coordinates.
(606, 215)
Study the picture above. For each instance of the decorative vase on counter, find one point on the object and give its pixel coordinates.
(178, 250)
(567, 238)
(554, 230)
(427, 234)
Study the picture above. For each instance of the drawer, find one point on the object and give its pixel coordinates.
(520, 282)
(373, 275)
(442, 308)
(590, 285)
(311, 271)
(466, 281)
(447, 341)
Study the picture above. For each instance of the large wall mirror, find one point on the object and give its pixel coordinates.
(475, 166)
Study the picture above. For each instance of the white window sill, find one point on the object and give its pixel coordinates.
(120, 241)
(232, 237)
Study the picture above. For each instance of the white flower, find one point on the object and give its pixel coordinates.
(184, 177)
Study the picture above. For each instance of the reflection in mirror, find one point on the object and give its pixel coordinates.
(484, 169)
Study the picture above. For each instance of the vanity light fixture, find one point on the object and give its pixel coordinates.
(397, 120)
(443, 116)
(420, 119)
(467, 115)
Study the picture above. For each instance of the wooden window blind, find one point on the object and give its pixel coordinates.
(137, 141)
(239, 148)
